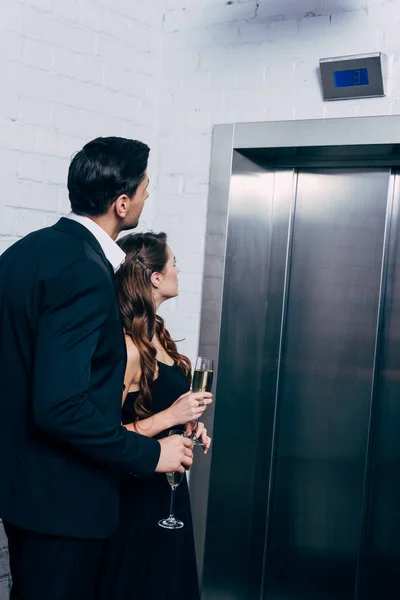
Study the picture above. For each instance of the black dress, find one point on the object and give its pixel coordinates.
(144, 561)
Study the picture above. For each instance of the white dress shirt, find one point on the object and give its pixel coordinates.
(112, 251)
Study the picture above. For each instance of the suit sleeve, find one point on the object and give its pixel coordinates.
(75, 306)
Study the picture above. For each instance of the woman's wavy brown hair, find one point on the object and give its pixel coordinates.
(146, 253)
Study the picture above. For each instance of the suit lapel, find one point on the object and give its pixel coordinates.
(74, 228)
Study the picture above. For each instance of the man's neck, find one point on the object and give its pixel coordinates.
(107, 225)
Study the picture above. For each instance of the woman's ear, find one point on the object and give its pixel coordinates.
(156, 279)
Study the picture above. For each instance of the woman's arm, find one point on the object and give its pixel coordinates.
(152, 425)
(155, 423)
(132, 371)
(185, 409)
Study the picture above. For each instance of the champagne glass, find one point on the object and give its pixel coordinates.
(174, 478)
(202, 382)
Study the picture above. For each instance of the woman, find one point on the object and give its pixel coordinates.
(143, 560)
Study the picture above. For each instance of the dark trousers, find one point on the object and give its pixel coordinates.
(45, 567)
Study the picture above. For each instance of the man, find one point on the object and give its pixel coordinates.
(62, 363)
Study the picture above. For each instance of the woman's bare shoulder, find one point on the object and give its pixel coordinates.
(133, 354)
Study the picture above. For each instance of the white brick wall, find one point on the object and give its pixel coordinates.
(71, 70)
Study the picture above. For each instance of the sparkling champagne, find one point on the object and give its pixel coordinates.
(174, 478)
(202, 381)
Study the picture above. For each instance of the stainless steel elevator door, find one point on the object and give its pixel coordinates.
(379, 573)
(303, 499)
(325, 385)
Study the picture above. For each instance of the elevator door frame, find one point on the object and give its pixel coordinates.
(353, 142)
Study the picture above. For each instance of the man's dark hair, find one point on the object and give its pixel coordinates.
(102, 171)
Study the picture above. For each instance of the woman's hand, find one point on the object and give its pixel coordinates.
(189, 407)
(201, 434)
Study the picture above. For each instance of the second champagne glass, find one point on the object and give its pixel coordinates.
(202, 382)
(174, 478)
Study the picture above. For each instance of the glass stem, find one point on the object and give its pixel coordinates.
(171, 508)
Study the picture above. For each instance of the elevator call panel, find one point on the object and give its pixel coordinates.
(349, 77)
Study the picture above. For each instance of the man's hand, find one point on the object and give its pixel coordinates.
(176, 454)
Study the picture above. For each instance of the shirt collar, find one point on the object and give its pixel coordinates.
(112, 251)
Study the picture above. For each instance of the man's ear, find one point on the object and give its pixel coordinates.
(121, 206)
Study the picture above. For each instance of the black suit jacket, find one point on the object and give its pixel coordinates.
(62, 364)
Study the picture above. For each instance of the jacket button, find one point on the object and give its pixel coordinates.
(123, 388)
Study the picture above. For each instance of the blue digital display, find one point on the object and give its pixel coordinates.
(351, 78)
